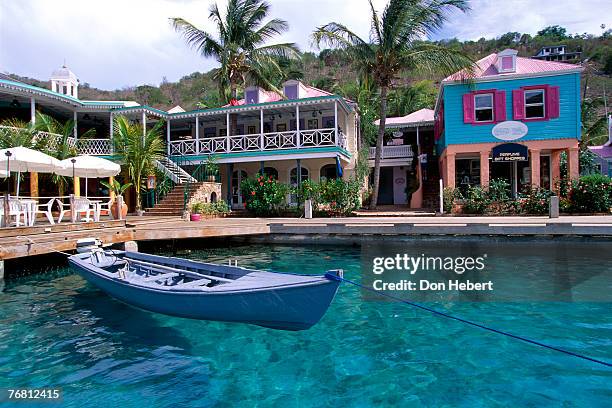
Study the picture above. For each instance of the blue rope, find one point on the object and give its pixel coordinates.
(437, 312)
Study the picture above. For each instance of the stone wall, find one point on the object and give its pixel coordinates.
(206, 192)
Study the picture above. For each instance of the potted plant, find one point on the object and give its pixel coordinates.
(197, 209)
(118, 189)
(212, 168)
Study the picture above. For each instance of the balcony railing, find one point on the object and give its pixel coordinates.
(100, 147)
(95, 147)
(259, 142)
(393, 152)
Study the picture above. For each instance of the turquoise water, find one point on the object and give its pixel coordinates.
(56, 331)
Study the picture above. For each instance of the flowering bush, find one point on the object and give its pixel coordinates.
(341, 197)
(476, 200)
(592, 193)
(534, 200)
(265, 196)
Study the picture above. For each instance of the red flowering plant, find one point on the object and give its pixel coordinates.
(264, 195)
(592, 193)
(534, 200)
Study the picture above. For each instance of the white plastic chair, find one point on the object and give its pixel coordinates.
(64, 208)
(105, 208)
(44, 209)
(81, 205)
(15, 210)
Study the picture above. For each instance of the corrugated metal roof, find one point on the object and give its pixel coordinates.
(485, 68)
(271, 96)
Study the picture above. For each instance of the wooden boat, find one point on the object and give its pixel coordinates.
(198, 290)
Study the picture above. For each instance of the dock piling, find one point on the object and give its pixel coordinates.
(6, 209)
(72, 209)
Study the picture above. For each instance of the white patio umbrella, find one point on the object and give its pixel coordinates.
(22, 159)
(89, 167)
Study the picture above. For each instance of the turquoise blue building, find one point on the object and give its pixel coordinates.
(511, 118)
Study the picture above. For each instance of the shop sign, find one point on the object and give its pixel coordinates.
(509, 152)
(509, 130)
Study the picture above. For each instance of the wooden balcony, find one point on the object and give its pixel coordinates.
(259, 142)
(393, 152)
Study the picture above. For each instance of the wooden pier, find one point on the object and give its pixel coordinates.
(28, 241)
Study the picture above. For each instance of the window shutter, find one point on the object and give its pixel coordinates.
(468, 108)
(518, 104)
(500, 106)
(552, 102)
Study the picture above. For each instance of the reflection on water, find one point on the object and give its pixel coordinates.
(57, 331)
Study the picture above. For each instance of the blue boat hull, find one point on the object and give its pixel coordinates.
(287, 308)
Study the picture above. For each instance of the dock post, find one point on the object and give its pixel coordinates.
(553, 207)
(308, 209)
(5, 216)
(119, 204)
(130, 246)
(72, 209)
(1, 270)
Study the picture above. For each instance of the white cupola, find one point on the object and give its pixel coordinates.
(64, 81)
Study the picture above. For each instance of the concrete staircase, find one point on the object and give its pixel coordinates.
(172, 204)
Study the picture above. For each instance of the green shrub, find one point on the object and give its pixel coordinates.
(499, 190)
(476, 200)
(217, 208)
(197, 208)
(308, 190)
(592, 193)
(340, 196)
(448, 198)
(534, 200)
(265, 196)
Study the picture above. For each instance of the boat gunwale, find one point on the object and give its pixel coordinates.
(80, 261)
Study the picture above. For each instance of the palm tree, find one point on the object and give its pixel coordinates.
(138, 151)
(16, 132)
(396, 46)
(61, 147)
(594, 124)
(240, 45)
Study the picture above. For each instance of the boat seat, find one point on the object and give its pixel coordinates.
(193, 284)
(160, 276)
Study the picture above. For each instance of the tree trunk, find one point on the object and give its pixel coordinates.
(137, 185)
(379, 146)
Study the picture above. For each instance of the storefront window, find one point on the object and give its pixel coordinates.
(467, 172)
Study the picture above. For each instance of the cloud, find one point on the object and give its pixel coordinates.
(115, 43)
(491, 18)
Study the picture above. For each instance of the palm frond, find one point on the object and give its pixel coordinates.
(435, 59)
(196, 38)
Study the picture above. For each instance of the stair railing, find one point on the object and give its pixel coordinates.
(198, 171)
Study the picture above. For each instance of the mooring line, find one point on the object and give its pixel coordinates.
(32, 242)
(481, 326)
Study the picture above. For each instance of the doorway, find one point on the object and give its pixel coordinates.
(385, 188)
(238, 199)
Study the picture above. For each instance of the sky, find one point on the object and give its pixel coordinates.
(112, 44)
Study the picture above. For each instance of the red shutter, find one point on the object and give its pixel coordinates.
(468, 108)
(518, 104)
(552, 102)
(500, 106)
